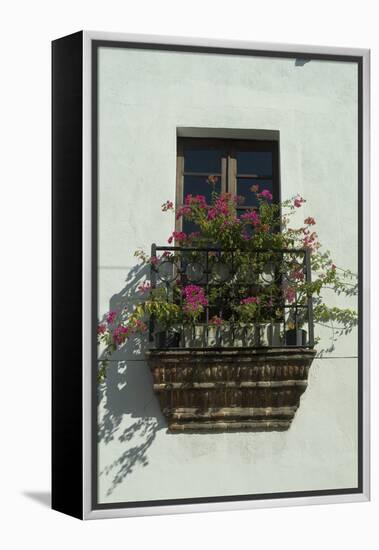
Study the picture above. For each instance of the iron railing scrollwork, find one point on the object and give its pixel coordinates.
(280, 278)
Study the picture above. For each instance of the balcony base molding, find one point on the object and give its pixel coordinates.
(230, 389)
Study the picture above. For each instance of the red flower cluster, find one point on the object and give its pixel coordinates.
(194, 299)
(266, 194)
(298, 201)
(197, 200)
(179, 237)
(111, 316)
(101, 329)
(222, 206)
(120, 334)
(183, 211)
(217, 321)
(310, 240)
(168, 205)
(252, 217)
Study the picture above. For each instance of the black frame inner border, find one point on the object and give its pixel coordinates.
(96, 44)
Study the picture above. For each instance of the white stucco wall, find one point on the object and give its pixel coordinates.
(144, 97)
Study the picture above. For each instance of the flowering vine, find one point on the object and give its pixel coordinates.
(226, 224)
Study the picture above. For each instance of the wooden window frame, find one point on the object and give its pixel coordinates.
(228, 172)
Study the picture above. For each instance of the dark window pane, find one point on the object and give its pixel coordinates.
(203, 160)
(254, 162)
(244, 189)
(190, 227)
(198, 185)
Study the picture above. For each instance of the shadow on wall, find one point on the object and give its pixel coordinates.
(127, 394)
(128, 410)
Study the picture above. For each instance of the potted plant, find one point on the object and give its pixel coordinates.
(296, 336)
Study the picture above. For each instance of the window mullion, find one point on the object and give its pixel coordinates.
(232, 174)
(224, 173)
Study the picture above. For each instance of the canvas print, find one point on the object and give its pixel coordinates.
(227, 275)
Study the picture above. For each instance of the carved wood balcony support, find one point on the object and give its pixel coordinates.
(230, 388)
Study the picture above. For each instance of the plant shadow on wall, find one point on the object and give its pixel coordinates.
(338, 322)
(126, 392)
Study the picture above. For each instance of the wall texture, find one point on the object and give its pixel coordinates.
(144, 97)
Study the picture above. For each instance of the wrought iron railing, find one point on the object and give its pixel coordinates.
(286, 321)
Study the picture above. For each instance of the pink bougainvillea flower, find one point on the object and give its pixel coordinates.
(290, 294)
(222, 205)
(183, 211)
(266, 194)
(111, 316)
(216, 320)
(168, 205)
(310, 220)
(250, 300)
(154, 260)
(194, 299)
(197, 200)
(333, 267)
(200, 200)
(144, 287)
(298, 201)
(252, 217)
(212, 214)
(179, 237)
(311, 241)
(229, 222)
(101, 329)
(194, 292)
(120, 334)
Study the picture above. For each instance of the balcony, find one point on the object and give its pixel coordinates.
(242, 362)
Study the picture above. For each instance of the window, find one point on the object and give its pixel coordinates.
(237, 164)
